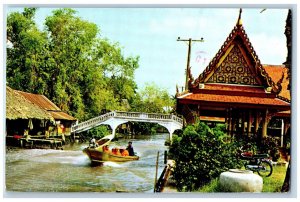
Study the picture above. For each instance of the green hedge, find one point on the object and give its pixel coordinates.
(201, 154)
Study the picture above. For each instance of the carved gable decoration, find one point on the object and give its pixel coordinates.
(236, 63)
(234, 70)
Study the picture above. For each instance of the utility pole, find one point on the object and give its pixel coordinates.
(190, 40)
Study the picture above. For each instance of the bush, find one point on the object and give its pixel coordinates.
(270, 146)
(201, 154)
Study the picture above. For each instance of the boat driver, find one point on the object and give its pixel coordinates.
(130, 149)
(93, 143)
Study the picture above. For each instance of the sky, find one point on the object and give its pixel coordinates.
(151, 34)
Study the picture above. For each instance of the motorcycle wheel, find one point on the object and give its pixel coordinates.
(265, 169)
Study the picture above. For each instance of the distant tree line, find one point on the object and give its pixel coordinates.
(81, 72)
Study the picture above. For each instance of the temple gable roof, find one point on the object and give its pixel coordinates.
(236, 63)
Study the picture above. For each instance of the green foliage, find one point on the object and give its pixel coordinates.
(270, 146)
(201, 156)
(150, 99)
(98, 132)
(153, 99)
(68, 62)
(27, 53)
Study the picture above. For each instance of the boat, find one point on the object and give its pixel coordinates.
(98, 154)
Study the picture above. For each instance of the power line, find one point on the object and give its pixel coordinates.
(190, 40)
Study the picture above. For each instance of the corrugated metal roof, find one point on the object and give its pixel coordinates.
(40, 100)
(44, 103)
(61, 115)
(18, 107)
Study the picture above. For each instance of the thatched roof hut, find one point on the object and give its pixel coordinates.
(18, 107)
(44, 103)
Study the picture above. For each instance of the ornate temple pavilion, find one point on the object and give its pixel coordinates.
(237, 89)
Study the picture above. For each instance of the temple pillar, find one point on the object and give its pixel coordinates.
(264, 124)
(198, 111)
(232, 122)
(226, 119)
(229, 121)
(286, 126)
(257, 120)
(243, 123)
(282, 132)
(249, 124)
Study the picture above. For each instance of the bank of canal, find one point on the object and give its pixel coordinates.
(69, 170)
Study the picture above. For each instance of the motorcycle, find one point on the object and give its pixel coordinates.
(258, 163)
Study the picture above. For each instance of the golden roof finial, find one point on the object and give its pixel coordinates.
(239, 21)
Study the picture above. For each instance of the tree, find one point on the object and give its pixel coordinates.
(71, 40)
(288, 64)
(153, 99)
(68, 62)
(118, 71)
(27, 54)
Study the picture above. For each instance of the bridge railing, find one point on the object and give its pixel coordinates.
(153, 116)
(93, 121)
(126, 115)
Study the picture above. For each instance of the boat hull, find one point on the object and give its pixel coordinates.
(100, 156)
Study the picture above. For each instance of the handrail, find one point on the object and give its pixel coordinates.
(126, 115)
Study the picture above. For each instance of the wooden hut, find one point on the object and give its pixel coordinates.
(23, 116)
(35, 116)
(62, 119)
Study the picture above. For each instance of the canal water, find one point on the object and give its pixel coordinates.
(70, 170)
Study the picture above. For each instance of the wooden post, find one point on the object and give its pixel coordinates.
(256, 122)
(249, 124)
(282, 133)
(156, 170)
(243, 123)
(229, 120)
(234, 125)
(265, 124)
(188, 58)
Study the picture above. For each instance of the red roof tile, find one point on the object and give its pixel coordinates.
(275, 72)
(235, 99)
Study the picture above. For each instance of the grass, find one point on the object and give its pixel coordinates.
(275, 181)
(271, 184)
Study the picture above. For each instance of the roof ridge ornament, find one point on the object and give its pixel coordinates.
(239, 21)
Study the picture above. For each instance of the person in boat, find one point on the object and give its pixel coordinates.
(93, 143)
(125, 152)
(116, 151)
(106, 148)
(130, 149)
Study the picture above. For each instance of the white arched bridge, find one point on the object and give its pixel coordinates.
(116, 118)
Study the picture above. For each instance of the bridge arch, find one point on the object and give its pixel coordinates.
(116, 118)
